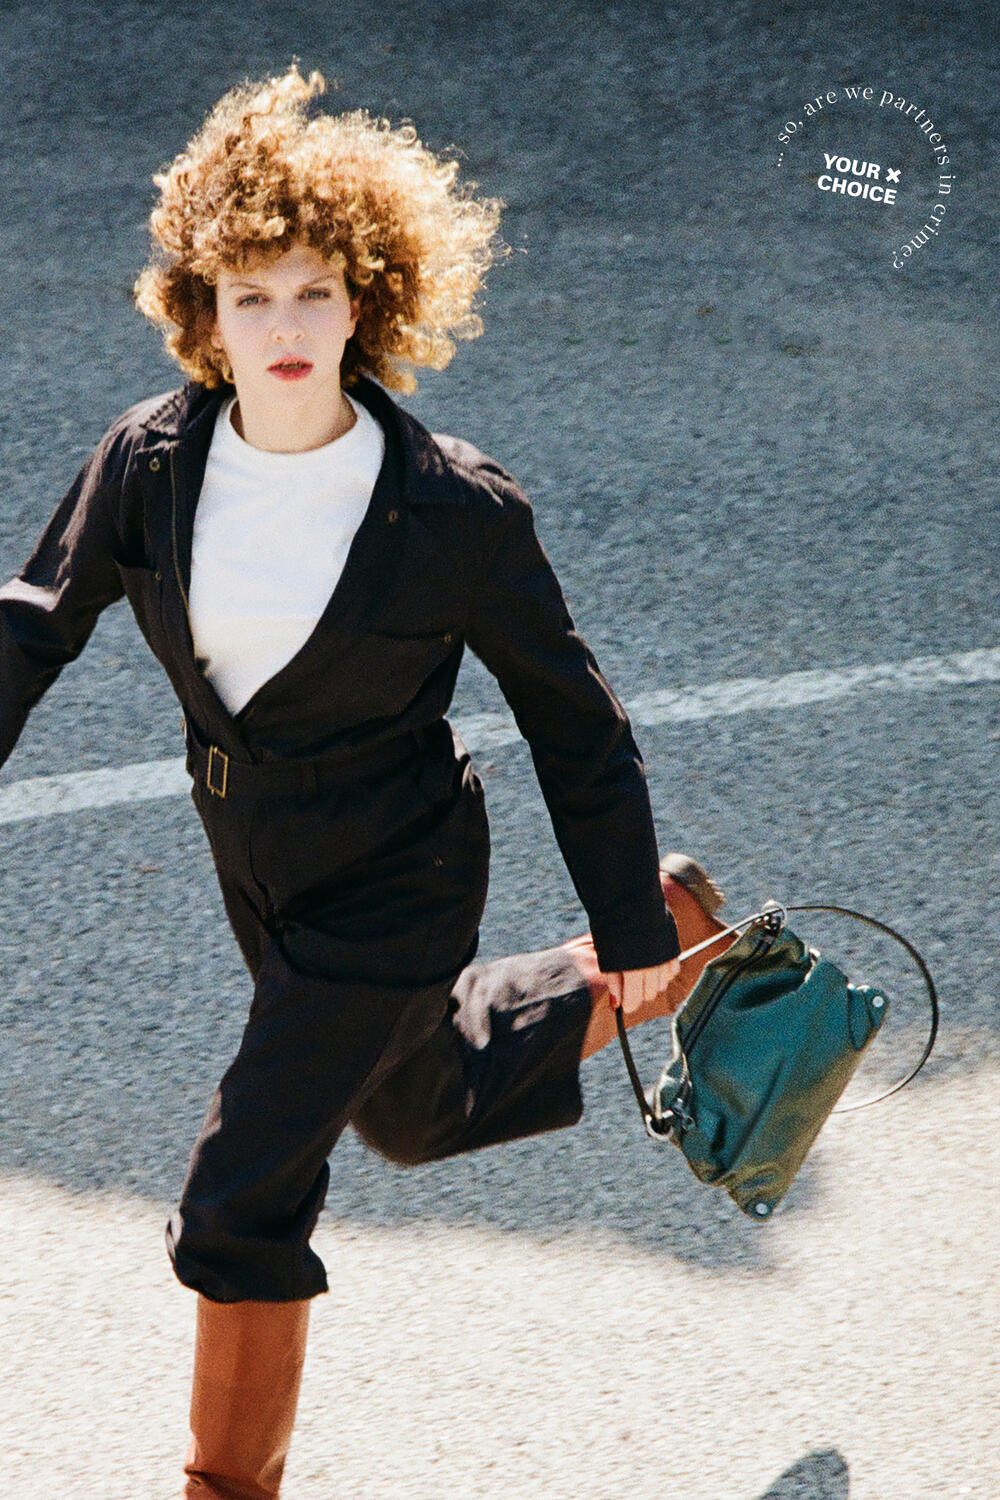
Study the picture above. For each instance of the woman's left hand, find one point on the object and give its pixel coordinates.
(634, 988)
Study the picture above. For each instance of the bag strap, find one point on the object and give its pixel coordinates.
(770, 914)
(773, 916)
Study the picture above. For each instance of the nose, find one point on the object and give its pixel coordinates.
(287, 325)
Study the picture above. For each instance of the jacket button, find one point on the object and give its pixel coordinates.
(158, 576)
(392, 516)
(447, 637)
(154, 464)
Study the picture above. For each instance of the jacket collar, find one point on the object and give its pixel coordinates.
(425, 473)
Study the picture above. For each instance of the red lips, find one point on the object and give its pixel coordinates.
(290, 369)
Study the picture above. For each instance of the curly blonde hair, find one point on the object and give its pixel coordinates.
(261, 176)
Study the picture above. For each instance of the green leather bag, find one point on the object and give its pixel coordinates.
(764, 1046)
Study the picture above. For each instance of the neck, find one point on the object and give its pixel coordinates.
(292, 430)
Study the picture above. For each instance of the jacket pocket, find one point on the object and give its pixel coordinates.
(144, 590)
(416, 655)
(444, 637)
(390, 670)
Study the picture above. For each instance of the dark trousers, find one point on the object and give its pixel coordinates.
(366, 1010)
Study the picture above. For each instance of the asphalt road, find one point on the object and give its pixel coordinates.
(755, 447)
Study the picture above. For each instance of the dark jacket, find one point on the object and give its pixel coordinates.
(448, 557)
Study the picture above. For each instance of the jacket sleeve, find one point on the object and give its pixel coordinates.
(49, 610)
(588, 766)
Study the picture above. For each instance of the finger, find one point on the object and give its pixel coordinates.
(633, 991)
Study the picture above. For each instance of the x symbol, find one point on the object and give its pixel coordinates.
(892, 174)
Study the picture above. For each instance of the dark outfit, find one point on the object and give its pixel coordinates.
(348, 827)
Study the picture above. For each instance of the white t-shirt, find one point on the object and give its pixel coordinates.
(271, 536)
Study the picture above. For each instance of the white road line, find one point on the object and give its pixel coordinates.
(41, 796)
(798, 689)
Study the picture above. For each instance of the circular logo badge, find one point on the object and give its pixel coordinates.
(868, 164)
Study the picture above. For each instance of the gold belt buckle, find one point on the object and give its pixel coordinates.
(215, 755)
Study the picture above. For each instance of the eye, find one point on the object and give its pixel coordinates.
(248, 299)
(320, 292)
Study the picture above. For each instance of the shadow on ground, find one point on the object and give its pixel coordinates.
(818, 1476)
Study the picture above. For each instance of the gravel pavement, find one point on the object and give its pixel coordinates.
(755, 447)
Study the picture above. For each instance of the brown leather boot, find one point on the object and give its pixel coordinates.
(247, 1370)
(693, 899)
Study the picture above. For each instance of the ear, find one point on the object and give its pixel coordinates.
(355, 313)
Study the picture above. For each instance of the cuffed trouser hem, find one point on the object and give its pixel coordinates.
(197, 1254)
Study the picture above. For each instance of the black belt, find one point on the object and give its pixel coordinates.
(224, 776)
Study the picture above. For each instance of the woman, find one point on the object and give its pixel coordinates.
(307, 562)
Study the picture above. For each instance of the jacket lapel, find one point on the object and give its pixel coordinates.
(395, 545)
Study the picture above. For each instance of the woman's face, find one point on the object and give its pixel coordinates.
(283, 325)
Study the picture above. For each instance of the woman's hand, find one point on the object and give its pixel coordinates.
(632, 989)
